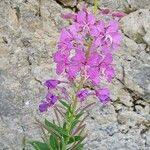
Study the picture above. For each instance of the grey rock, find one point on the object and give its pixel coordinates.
(105, 114)
(135, 25)
(130, 118)
(148, 139)
(143, 79)
(147, 38)
(127, 6)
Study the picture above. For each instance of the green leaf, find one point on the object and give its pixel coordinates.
(53, 142)
(79, 115)
(79, 147)
(39, 145)
(64, 104)
(49, 129)
(63, 145)
(74, 139)
(64, 125)
(59, 130)
(76, 120)
(74, 123)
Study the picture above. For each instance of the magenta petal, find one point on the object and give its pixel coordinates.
(43, 107)
(93, 73)
(72, 71)
(79, 57)
(65, 36)
(108, 59)
(119, 14)
(103, 95)
(94, 31)
(82, 94)
(50, 84)
(59, 68)
(117, 38)
(101, 26)
(105, 49)
(94, 59)
(69, 16)
(91, 19)
(81, 17)
(113, 26)
(57, 56)
(97, 42)
(109, 73)
(51, 99)
(105, 11)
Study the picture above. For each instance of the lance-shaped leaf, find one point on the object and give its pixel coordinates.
(76, 120)
(53, 142)
(74, 139)
(47, 128)
(77, 145)
(60, 130)
(64, 104)
(39, 145)
(57, 117)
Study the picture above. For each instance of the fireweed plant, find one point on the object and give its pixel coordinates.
(84, 57)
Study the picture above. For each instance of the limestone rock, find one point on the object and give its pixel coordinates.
(103, 114)
(147, 38)
(135, 25)
(130, 118)
(127, 6)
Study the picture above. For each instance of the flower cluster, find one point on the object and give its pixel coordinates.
(85, 50)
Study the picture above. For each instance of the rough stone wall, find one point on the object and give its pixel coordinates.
(28, 33)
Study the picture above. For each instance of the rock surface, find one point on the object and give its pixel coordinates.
(28, 33)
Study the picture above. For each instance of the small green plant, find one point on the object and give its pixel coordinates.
(68, 136)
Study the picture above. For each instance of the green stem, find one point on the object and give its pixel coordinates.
(73, 110)
(75, 99)
(74, 105)
(95, 6)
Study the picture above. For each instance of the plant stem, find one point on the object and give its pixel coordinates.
(73, 109)
(95, 6)
(75, 98)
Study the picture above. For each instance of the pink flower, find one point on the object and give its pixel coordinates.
(94, 59)
(103, 95)
(105, 11)
(61, 59)
(72, 71)
(107, 60)
(94, 75)
(69, 38)
(82, 94)
(113, 36)
(85, 21)
(69, 16)
(106, 36)
(119, 14)
(109, 73)
(76, 64)
(49, 101)
(93, 69)
(51, 84)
